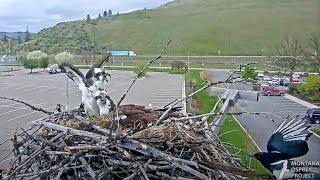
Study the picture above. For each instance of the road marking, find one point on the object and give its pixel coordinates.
(22, 116)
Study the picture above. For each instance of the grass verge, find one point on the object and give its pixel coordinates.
(203, 101)
(231, 132)
(315, 130)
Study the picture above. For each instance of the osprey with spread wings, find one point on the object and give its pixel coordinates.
(97, 102)
(95, 80)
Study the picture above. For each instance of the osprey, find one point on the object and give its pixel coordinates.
(287, 141)
(88, 84)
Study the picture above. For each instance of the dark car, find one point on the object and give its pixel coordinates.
(313, 115)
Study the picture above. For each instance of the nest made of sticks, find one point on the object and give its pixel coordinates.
(69, 146)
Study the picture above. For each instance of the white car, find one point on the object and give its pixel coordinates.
(266, 78)
(261, 75)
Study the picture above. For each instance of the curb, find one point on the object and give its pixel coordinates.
(300, 101)
(247, 133)
(316, 135)
(183, 95)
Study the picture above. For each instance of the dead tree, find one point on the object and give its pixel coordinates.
(289, 54)
(314, 53)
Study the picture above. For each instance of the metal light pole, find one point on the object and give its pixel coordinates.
(67, 91)
(67, 95)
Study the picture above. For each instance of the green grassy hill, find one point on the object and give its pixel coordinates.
(199, 27)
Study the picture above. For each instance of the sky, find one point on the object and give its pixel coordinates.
(16, 15)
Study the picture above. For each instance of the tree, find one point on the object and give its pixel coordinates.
(290, 54)
(64, 57)
(314, 53)
(44, 62)
(21, 56)
(33, 59)
(178, 65)
(249, 73)
(99, 17)
(19, 39)
(5, 38)
(105, 13)
(109, 12)
(27, 37)
(88, 18)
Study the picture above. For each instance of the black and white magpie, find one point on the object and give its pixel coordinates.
(88, 84)
(288, 141)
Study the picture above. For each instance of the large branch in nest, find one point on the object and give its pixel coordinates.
(29, 105)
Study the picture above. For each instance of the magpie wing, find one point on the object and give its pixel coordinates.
(290, 138)
(98, 64)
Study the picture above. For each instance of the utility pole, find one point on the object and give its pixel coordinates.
(188, 61)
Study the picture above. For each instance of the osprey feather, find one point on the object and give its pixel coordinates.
(87, 84)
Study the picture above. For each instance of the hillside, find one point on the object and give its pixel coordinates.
(196, 26)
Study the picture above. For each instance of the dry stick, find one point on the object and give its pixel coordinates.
(29, 105)
(228, 80)
(72, 131)
(142, 71)
(218, 114)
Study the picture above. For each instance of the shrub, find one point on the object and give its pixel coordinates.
(178, 65)
(205, 75)
(309, 90)
(64, 57)
(139, 67)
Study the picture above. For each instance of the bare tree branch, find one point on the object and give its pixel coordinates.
(29, 105)
(142, 71)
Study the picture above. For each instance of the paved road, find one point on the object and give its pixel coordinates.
(260, 128)
(44, 90)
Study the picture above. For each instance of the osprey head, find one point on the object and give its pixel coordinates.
(104, 102)
(101, 75)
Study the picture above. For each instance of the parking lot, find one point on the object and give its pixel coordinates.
(46, 91)
(261, 128)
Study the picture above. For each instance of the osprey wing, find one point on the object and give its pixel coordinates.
(73, 73)
(290, 138)
(98, 64)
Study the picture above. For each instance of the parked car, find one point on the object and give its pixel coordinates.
(266, 78)
(260, 75)
(275, 81)
(313, 115)
(272, 91)
(295, 78)
(55, 69)
(285, 81)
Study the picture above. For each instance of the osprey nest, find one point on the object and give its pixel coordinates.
(69, 146)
